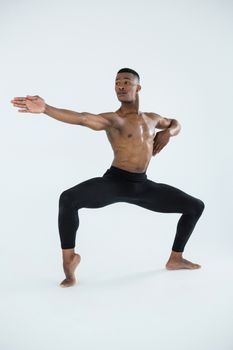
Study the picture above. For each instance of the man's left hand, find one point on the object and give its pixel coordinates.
(160, 140)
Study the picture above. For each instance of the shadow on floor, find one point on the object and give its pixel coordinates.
(130, 278)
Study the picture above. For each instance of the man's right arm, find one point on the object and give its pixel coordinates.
(36, 104)
(96, 122)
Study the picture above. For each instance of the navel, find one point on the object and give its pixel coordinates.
(130, 135)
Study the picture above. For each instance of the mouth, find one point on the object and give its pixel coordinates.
(122, 94)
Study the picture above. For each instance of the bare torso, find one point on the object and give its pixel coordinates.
(131, 139)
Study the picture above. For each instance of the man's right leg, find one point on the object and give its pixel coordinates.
(93, 193)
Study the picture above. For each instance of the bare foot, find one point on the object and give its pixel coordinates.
(181, 263)
(69, 268)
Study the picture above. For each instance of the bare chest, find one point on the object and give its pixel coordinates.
(136, 127)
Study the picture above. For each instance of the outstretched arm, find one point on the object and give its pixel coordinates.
(36, 104)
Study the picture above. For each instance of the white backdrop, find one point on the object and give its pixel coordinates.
(69, 52)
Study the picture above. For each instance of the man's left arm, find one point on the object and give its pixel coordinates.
(171, 127)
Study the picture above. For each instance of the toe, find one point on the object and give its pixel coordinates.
(198, 266)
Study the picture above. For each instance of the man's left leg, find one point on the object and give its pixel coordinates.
(164, 198)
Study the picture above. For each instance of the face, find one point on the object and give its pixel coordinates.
(126, 87)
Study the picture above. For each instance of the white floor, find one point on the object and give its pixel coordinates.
(124, 298)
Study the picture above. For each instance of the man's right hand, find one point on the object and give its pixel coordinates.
(29, 104)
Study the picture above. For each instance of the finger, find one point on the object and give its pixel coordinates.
(18, 99)
(158, 146)
(19, 104)
(31, 97)
(23, 110)
(21, 107)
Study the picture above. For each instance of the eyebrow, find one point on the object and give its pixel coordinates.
(123, 78)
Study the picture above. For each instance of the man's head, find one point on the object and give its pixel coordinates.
(127, 84)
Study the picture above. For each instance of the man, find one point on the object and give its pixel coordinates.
(131, 134)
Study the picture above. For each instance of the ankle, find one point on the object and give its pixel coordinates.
(68, 254)
(176, 254)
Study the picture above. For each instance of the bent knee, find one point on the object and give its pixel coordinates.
(199, 207)
(65, 199)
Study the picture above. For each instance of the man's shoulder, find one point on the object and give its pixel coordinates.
(152, 115)
(107, 115)
(113, 117)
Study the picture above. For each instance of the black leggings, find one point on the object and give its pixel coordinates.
(118, 185)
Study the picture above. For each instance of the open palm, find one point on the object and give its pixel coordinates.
(31, 104)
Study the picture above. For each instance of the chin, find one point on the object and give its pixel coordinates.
(123, 99)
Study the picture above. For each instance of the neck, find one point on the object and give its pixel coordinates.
(130, 107)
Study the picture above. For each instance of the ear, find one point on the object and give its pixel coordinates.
(138, 87)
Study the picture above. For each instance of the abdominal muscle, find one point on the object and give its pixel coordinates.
(134, 160)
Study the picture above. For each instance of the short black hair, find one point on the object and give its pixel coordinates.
(129, 70)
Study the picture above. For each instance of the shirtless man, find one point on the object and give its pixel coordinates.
(132, 136)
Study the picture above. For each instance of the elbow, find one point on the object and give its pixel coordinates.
(177, 127)
(81, 120)
(177, 124)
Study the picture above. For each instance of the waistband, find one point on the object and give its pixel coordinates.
(129, 175)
